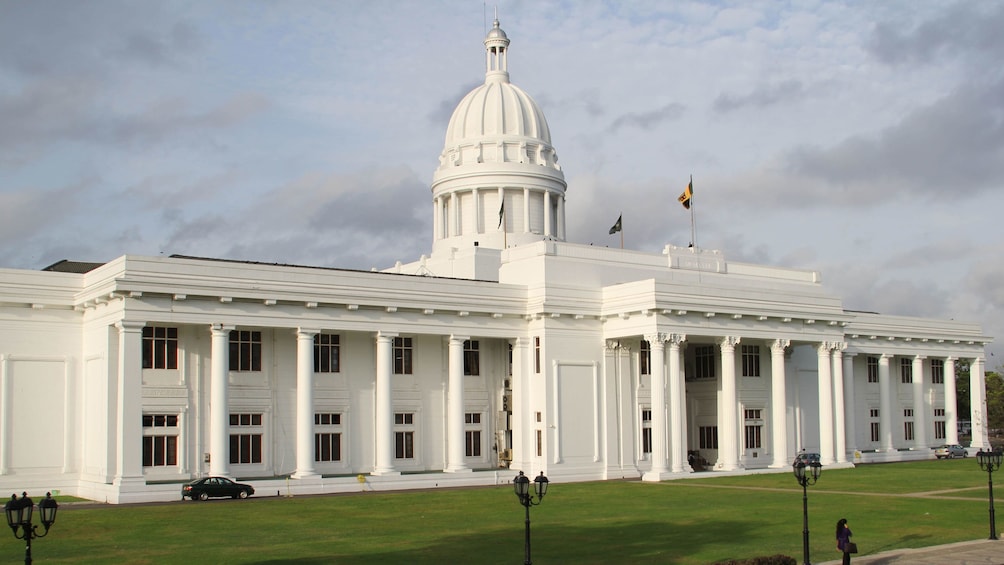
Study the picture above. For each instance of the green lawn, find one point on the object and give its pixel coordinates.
(694, 521)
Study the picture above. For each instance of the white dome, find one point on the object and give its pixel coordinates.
(498, 182)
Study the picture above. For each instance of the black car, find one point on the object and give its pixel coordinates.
(215, 487)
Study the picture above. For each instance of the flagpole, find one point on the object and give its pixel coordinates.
(622, 229)
(693, 221)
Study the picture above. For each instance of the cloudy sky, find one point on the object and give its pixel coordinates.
(864, 140)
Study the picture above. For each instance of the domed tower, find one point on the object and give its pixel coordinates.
(498, 183)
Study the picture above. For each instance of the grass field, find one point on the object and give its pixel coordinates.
(686, 522)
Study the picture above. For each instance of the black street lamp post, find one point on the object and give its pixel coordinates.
(807, 469)
(19, 512)
(990, 461)
(521, 484)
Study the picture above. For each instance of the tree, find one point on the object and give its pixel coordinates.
(995, 402)
(962, 402)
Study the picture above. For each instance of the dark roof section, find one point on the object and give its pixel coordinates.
(67, 266)
(177, 256)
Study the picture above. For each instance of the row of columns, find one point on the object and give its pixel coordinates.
(836, 415)
(449, 220)
(129, 433)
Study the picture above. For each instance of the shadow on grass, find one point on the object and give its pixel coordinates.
(660, 543)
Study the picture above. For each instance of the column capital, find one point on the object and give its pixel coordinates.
(129, 325)
(461, 338)
(919, 357)
(306, 333)
(218, 329)
(615, 345)
(729, 342)
(382, 335)
(676, 339)
(657, 337)
(779, 345)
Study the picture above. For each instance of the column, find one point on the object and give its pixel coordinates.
(728, 428)
(657, 348)
(453, 213)
(526, 210)
(437, 215)
(677, 409)
(561, 217)
(919, 404)
(455, 407)
(478, 226)
(129, 424)
(548, 228)
(825, 403)
(305, 404)
(219, 401)
(522, 416)
(951, 403)
(850, 433)
(778, 404)
(838, 401)
(978, 403)
(885, 403)
(384, 405)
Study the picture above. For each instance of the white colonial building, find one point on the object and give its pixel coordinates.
(506, 348)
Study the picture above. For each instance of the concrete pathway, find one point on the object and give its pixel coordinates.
(978, 552)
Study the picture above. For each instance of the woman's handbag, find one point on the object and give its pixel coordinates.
(850, 547)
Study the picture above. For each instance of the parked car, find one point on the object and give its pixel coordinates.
(215, 487)
(950, 451)
(807, 458)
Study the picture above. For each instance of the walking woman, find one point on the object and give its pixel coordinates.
(844, 539)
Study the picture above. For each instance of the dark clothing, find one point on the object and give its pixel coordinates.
(843, 537)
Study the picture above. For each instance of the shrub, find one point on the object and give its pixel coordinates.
(768, 560)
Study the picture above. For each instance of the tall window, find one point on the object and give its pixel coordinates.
(327, 353)
(404, 435)
(245, 438)
(708, 437)
(327, 436)
(472, 358)
(906, 370)
(509, 370)
(939, 423)
(873, 369)
(536, 355)
(704, 361)
(160, 348)
(937, 371)
(908, 425)
(875, 428)
(402, 356)
(245, 350)
(754, 428)
(646, 431)
(160, 440)
(472, 433)
(645, 358)
(751, 360)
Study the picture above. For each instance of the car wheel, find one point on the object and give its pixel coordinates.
(244, 494)
(965, 454)
(203, 496)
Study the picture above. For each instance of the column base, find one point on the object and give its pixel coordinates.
(305, 475)
(458, 470)
(385, 472)
(656, 476)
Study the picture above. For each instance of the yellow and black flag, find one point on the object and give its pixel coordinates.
(687, 195)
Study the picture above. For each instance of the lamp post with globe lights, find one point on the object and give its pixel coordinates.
(521, 486)
(807, 469)
(19, 511)
(990, 461)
